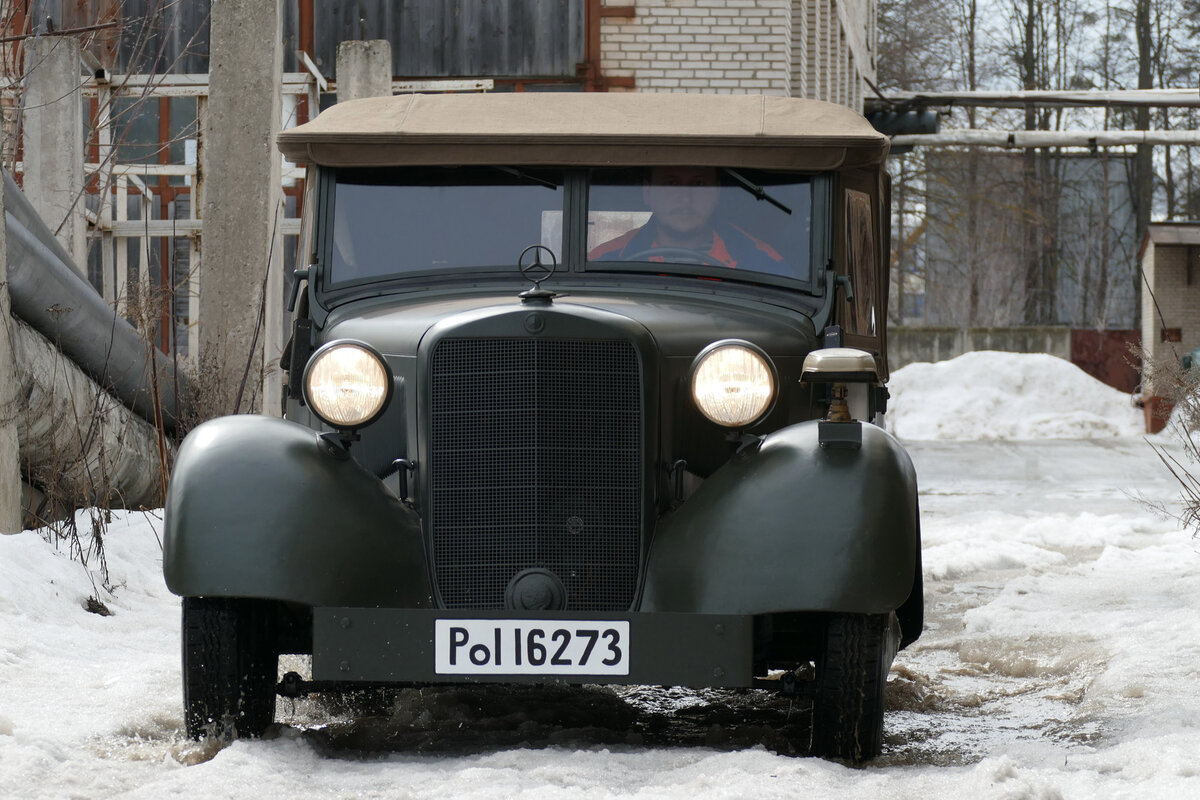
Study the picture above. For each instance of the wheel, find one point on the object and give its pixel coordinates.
(677, 255)
(230, 663)
(851, 684)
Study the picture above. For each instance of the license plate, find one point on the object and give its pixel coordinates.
(531, 647)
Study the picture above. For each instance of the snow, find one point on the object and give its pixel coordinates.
(990, 395)
(1060, 657)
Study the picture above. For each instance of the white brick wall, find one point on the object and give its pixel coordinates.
(798, 63)
(729, 46)
(805, 48)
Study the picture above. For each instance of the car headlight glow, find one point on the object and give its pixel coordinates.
(733, 383)
(347, 384)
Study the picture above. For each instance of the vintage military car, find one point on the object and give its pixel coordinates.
(581, 389)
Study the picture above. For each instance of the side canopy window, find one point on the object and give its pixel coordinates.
(861, 257)
(707, 218)
(390, 222)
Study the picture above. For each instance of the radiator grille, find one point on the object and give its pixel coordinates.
(536, 461)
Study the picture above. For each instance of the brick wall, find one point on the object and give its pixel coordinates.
(802, 48)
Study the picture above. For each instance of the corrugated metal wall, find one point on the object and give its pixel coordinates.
(429, 38)
(435, 38)
(155, 36)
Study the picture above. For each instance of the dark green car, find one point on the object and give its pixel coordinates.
(580, 390)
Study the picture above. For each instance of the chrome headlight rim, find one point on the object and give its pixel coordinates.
(323, 351)
(720, 344)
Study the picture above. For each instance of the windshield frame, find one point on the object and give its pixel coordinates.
(574, 269)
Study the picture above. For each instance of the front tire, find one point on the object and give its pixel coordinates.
(851, 686)
(230, 666)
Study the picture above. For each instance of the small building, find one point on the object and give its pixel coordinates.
(1170, 264)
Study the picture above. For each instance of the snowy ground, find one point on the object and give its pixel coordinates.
(1060, 660)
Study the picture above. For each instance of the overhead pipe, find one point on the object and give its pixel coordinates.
(1071, 98)
(51, 296)
(1035, 139)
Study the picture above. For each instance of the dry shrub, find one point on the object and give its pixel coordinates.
(1181, 387)
(81, 455)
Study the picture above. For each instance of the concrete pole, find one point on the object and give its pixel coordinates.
(364, 69)
(241, 280)
(10, 459)
(53, 140)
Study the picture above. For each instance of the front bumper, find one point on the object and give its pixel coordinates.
(397, 645)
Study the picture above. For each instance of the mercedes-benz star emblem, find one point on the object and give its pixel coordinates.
(532, 266)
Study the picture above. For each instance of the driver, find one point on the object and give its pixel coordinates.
(682, 201)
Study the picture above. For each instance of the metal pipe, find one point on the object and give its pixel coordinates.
(52, 297)
(78, 443)
(1082, 98)
(1030, 139)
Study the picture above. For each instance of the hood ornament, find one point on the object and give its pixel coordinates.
(536, 270)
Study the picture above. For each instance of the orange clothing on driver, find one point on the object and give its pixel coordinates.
(730, 246)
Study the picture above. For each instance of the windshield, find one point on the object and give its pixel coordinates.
(701, 216)
(397, 222)
(388, 223)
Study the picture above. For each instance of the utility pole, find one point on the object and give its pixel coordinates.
(241, 279)
(10, 459)
(53, 137)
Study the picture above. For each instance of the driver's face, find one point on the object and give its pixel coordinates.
(682, 198)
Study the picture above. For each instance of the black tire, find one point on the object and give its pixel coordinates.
(851, 687)
(230, 665)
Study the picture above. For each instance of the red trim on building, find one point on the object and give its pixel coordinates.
(589, 70)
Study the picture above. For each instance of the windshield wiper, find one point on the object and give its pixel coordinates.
(756, 190)
(525, 175)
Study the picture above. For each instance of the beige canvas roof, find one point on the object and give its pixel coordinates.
(590, 129)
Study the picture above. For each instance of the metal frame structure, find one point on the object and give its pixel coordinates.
(1075, 98)
(1126, 98)
(113, 183)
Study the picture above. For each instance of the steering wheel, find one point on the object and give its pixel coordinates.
(676, 255)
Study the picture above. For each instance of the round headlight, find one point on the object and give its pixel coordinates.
(733, 383)
(347, 384)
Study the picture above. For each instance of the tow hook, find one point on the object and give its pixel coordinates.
(797, 683)
(292, 686)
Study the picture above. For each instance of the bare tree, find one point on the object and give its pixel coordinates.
(917, 51)
(1073, 248)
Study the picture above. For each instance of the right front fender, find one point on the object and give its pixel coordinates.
(261, 507)
(793, 526)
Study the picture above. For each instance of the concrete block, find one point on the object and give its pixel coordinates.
(364, 69)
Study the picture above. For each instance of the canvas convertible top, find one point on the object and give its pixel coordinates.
(587, 129)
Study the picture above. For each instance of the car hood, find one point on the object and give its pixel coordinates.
(679, 324)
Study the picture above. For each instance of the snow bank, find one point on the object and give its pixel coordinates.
(991, 395)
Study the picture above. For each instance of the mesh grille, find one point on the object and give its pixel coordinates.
(536, 461)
